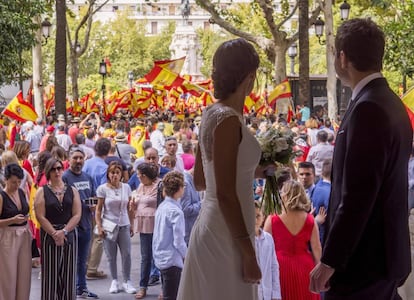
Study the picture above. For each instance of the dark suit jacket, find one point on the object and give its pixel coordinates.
(367, 235)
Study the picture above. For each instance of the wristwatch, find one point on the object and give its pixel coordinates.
(65, 231)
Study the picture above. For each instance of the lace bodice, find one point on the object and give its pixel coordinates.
(212, 117)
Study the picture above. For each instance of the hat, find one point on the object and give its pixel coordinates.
(50, 128)
(76, 120)
(197, 119)
(61, 117)
(120, 137)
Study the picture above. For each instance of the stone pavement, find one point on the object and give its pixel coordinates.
(101, 286)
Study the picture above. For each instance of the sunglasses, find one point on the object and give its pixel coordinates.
(56, 169)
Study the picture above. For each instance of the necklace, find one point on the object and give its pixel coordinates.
(116, 189)
(58, 193)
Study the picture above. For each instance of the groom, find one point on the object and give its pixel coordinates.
(366, 253)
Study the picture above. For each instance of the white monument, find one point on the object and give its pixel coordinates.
(185, 43)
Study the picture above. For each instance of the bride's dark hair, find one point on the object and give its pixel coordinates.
(232, 62)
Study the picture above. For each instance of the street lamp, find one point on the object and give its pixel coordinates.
(102, 71)
(130, 78)
(46, 25)
(292, 52)
(345, 8)
(319, 25)
(77, 47)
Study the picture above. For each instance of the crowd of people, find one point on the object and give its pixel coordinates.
(81, 187)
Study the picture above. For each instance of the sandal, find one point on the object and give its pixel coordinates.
(142, 293)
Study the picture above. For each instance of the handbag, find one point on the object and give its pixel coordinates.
(111, 229)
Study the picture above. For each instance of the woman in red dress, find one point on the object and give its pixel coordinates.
(292, 232)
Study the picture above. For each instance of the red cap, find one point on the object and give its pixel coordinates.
(50, 128)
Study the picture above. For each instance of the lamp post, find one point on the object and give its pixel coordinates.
(292, 52)
(345, 8)
(102, 71)
(130, 78)
(77, 47)
(319, 26)
(319, 23)
(46, 25)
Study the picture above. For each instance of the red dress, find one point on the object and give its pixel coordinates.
(295, 259)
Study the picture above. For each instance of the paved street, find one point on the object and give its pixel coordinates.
(101, 287)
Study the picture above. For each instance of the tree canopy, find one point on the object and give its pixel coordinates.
(17, 34)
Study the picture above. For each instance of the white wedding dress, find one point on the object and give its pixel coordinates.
(212, 268)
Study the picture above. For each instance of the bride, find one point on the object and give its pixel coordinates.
(221, 261)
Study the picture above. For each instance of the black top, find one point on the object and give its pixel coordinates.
(58, 213)
(10, 209)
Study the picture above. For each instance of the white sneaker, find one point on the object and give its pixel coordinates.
(114, 287)
(128, 288)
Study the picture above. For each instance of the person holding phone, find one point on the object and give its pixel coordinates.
(15, 237)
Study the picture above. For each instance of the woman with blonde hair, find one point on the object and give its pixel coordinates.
(22, 150)
(292, 232)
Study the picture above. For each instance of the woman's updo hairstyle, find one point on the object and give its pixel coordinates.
(232, 62)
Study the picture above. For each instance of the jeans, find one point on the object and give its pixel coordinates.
(154, 270)
(84, 239)
(146, 258)
(170, 281)
(111, 248)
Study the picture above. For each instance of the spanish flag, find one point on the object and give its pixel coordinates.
(20, 110)
(282, 90)
(408, 100)
(166, 73)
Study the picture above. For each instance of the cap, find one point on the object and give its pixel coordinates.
(61, 117)
(50, 128)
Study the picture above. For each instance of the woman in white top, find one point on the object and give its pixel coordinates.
(113, 202)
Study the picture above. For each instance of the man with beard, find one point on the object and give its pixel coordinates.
(75, 177)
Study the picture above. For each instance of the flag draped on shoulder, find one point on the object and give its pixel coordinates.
(408, 100)
(166, 73)
(20, 110)
(282, 90)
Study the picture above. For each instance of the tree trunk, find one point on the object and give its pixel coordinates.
(304, 82)
(330, 63)
(75, 74)
(60, 58)
(37, 72)
(280, 63)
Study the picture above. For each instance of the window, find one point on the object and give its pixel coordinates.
(154, 28)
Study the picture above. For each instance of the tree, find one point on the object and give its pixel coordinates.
(17, 35)
(80, 40)
(60, 58)
(399, 54)
(271, 38)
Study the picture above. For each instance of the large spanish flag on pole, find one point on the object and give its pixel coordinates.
(282, 90)
(166, 73)
(20, 110)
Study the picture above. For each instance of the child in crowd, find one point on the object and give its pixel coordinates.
(168, 244)
(269, 287)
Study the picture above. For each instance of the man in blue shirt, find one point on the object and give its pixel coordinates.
(84, 184)
(96, 167)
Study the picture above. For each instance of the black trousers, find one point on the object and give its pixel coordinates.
(170, 279)
(379, 290)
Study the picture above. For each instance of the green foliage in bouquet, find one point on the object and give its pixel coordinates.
(277, 148)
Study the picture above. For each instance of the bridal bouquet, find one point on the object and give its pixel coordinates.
(277, 148)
